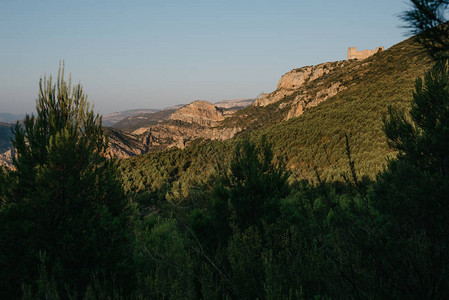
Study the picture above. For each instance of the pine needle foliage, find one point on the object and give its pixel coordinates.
(423, 137)
(427, 20)
(63, 198)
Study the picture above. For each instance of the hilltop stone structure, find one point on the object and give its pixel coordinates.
(360, 55)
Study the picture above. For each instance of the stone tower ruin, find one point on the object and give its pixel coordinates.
(354, 54)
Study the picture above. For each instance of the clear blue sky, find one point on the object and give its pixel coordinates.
(154, 54)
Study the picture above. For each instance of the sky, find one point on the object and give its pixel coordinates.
(155, 54)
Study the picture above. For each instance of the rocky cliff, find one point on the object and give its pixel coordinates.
(199, 112)
(124, 145)
(295, 79)
(237, 103)
(6, 159)
(197, 120)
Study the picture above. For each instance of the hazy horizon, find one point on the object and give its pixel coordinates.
(156, 54)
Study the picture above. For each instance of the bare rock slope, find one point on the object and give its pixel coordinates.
(199, 112)
(297, 79)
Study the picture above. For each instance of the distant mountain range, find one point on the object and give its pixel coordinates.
(135, 118)
(176, 126)
(8, 118)
(121, 127)
(111, 119)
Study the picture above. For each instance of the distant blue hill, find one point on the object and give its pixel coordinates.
(8, 118)
(5, 137)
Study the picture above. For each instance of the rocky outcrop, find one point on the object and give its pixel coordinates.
(124, 145)
(276, 96)
(237, 103)
(220, 133)
(175, 135)
(295, 79)
(199, 112)
(197, 120)
(6, 159)
(303, 102)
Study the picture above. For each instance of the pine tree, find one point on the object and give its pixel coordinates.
(63, 198)
(411, 196)
(427, 21)
(422, 138)
(255, 184)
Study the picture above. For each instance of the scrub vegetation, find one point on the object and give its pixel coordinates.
(309, 208)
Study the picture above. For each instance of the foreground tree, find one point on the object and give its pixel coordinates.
(255, 184)
(422, 138)
(230, 233)
(427, 20)
(412, 196)
(63, 200)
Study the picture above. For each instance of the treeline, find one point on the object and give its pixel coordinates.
(71, 228)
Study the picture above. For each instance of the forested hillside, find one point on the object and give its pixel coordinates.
(302, 206)
(315, 139)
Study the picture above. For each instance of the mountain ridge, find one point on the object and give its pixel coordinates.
(298, 91)
(11, 118)
(311, 143)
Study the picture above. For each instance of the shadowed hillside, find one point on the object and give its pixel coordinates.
(5, 136)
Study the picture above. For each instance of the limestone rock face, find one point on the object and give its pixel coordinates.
(237, 103)
(124, 145)
(170, 135)
(221, 133)
(6, 159)
(295, 79)
(301, 103)
(197, 120)
(199, 112)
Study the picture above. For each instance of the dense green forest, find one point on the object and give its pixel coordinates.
(261, 216)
